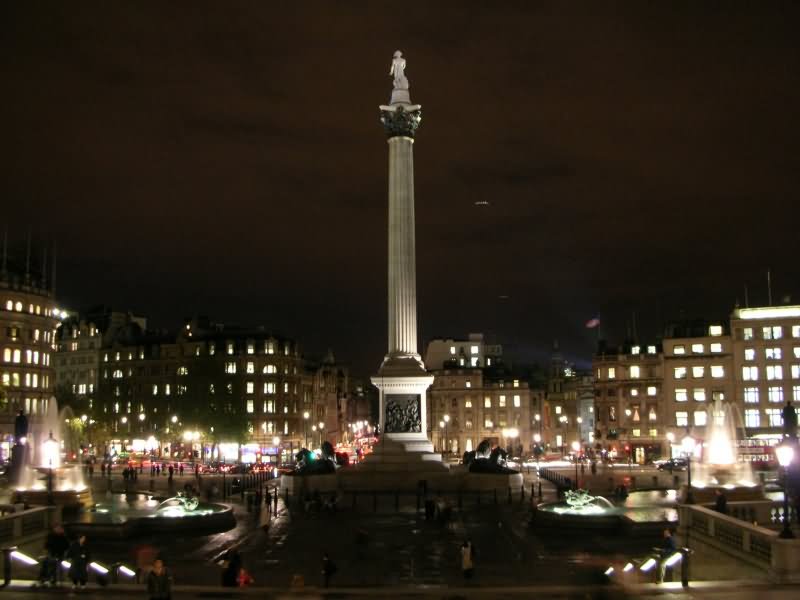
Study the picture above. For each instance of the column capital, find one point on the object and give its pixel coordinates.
(401, 120)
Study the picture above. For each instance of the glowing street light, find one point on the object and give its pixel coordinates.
(785, 456)
(141, 416)
(84, 418)
(174, 418)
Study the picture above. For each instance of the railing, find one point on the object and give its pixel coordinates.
(741, 541)
(18, 527)
(562, 482)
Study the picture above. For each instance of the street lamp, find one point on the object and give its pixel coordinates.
(688, 444)
(441, 441)
(670, 441)
(785, 455)
(321, 427)
(276, 441)
(50, 453)
(306, 416)
(576, 448)
(446, 421)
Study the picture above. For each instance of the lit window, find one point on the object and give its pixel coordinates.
(680, 372)
(230, 367)
(697, 348)
(796, 393)
(473, 349)
(250, 406)
(269, 369)
(717, 371)
(155, 390)
(17, 356)
(634, 392)
(468, 384)
(9, 305)
(558, 410)
(795, 371)
(183, 370)
(167, 389)
(229, 348)
(269, 347)
(651, 414)
(286, 388)
(773, 353)
(501, 402)
(750, 373)
(681, 395)
(117, 374)
(700, 418)
(752, 418)
(751, 395)
(461, 361)
(468, 403)
(748, 333)
(18, 306)
(774, 372)
(699, 394)
(473, 361)
(515, 383)
(212, 349)
(7, 354)
(468, 424)
(487, 423)
(269, 387)
(774, 417)
(635, 371)
(250, 368)
(452, 349)
(612, 373)
(653, 432)
(636, 350)
(796, 331)
(698, 372)
(250, 387)
(679, 349)
(651, 349)
(517, 401)
(775, 394)
(749, 353)
(251, 348)
(796, 352)
(637, 433)
(651, 390)
(488, 362)
(715, 330)
(716, 347)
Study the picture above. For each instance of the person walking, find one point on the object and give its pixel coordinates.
(159, 582)
(467, 564)
(79, 558)
(268, 502)
(275, 502)
(328, 569)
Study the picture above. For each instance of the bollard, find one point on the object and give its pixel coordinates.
(7, 566)
(685, 566)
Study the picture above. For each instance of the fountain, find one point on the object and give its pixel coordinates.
(42, 477)
(720, 467)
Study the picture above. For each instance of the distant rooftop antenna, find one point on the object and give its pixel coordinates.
(769, 288)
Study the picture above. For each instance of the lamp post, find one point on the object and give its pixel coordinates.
(688, 444)
(276, 442)
(576, 448)
(321, 427)
(313, 432)
(670, 441)
(50, 453)
(306, 416)
(785, 455)
(441, 439)
(446, 445)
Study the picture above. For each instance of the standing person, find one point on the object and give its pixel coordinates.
(159, 582)
(268, 502)
(180, 469)
(171, 472)
(79, 558)
(721, 503)
(328, 569)
(275, 502)
(667, 549)
(467, 564)
(56, 546)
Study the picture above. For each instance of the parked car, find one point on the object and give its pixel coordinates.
(673, 464)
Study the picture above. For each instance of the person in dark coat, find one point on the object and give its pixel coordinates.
(79, 558)
(159, 582)
(56, 546)
(721, 503)
(328, 569)
(230, 569)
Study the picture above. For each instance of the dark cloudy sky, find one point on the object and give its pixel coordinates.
(226, 158)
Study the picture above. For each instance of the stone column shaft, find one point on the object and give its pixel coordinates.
(402, 305)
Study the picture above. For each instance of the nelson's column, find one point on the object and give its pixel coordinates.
(402, 379)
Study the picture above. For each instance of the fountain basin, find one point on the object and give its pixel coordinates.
(134, 515)
(707, 494)
(68, 499)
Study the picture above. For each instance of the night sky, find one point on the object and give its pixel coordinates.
(227, 159)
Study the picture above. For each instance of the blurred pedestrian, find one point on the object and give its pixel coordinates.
(268, 501)
(328, 569)
(159, 582)
(231, 565)
(244, 579)
(467, 563)
(56, 546)
(721, 503)
(79, 558)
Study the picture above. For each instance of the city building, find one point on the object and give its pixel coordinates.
(698, 371)
(469, 405)
(473, 352)
(629, 401)
(29, 318)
